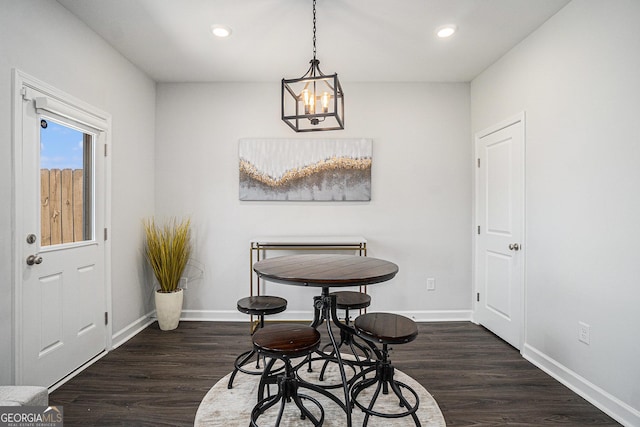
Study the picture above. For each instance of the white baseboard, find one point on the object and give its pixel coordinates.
(307, 315)
(132, 329)
(236, 316)
(612, 406)
(438, 315)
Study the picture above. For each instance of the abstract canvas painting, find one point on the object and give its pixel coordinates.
(305, 169)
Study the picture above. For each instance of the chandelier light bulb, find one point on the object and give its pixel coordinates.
(325, 102)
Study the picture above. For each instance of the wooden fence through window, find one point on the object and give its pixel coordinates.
(62, 206)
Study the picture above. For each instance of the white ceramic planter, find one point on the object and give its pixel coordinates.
(168, 309)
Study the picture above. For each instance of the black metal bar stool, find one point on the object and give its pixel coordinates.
(257, 306)
(385, 329)
(349, 300)
(284, 342)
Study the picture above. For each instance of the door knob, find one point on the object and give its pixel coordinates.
(34, 259)
(514, 247)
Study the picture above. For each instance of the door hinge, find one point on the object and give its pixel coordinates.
(106, 318)
(23, 92)
(478, 297)
(105, 234)
(478, 162)
(105, 150)
(478, 229)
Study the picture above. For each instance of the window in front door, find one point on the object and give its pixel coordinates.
(66, 189)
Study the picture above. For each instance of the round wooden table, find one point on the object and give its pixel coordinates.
(327, 271)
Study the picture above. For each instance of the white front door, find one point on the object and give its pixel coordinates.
(61, 285)
(499, 258)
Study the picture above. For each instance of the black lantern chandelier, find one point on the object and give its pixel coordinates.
(315, 101)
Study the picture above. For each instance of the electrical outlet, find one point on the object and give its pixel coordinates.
(431, 284)
(584, 332)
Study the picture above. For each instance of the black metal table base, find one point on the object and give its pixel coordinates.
(325, 310)
(347, 339)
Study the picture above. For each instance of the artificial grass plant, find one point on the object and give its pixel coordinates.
(168, 248)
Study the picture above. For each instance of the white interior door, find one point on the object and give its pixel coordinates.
(62, 287)
(499, 258)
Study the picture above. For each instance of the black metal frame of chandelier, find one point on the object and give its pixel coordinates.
(338, 102)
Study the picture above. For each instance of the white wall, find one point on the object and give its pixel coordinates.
(419, 215)
(42, 39)
(578, 80)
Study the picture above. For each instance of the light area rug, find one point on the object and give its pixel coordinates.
(232, 407)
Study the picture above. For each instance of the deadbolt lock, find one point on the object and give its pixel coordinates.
(31, 239)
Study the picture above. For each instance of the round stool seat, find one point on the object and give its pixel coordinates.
(351, 300)
(262, 305)
(286, 340)
(386, 328)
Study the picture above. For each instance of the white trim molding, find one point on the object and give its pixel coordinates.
(307, 315)
(611, 405)
(438, 315)
(236, 316)
(132, 329)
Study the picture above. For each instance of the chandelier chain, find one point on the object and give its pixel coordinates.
(314, 29)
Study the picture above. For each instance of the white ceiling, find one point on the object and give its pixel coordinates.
(361, 40)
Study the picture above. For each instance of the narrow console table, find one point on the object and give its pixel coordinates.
(260, 246)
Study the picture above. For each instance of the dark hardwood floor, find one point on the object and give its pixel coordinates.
(158, 378)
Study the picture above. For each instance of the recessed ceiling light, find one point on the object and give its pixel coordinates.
(446, 31)
(221, 31)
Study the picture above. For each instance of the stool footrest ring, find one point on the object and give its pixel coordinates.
(383, 381)
(288, 387)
